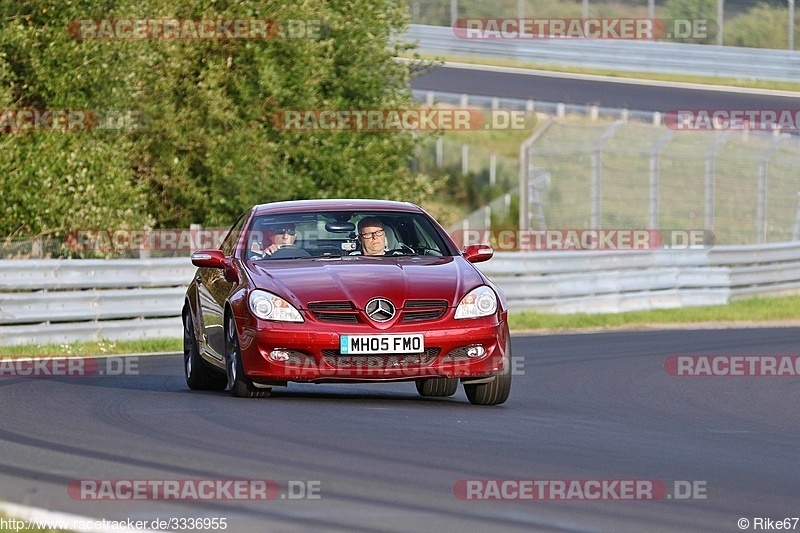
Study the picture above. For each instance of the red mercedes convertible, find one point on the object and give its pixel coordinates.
(337, 291)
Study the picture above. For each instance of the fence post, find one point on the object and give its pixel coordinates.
(492, 168)
(524, 174)
(194, 231)
(761, 205)
(144, 247)
(654, 160)
(710, 190)
(439, 151)
(656, 118)
(464, 159)
(594, 193)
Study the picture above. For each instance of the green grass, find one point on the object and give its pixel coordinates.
(104, 347)
(748, 310)
(748, 83)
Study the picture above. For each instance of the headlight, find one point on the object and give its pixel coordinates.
(479, 302)
(268, 306)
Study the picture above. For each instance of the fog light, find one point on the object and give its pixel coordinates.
(279, 355)
(476, 351)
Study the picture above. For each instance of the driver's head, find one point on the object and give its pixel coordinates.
(372, 236)
(283, 234)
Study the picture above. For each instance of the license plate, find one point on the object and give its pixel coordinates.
(379, 344)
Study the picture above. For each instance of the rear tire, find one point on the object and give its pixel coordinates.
(240, 386)
(198, 375)
(439, 387)
(496, 391)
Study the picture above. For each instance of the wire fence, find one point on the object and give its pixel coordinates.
(596, 168)
(742, 186)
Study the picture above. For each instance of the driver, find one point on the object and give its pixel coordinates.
(372, 236)
(280, 235)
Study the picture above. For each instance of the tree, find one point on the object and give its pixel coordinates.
(207, 147)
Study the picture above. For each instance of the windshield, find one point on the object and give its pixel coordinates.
(337, 234)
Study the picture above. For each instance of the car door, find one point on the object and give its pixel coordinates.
(213, 290)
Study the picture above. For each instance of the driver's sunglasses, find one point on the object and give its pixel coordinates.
(286, 231)
(373, 234)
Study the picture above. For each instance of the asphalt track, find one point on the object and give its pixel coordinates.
(589, 406)
(570, 90)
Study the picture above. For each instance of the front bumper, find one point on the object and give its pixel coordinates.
(314, 356)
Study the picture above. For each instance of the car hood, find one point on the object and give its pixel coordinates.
(359, 279)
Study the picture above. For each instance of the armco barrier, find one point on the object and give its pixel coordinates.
(46, 301)
(621, 55)
(55, 301)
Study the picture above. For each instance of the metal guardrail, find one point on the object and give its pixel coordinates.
(50, 301)
(61, 300)
(556, 109)
(632, 56)
(594, 282)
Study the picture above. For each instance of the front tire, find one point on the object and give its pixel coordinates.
(198, 375)
(439, 387)
(240, 386)
(496, 391)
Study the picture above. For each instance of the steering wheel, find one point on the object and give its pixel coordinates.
(288, 251)
(428, 251)
(402, 249)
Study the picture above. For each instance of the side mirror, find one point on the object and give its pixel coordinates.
(209, 259)
(215, 259)
(476, 253)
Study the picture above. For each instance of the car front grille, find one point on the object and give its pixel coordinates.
(422, 310)
(342, 311)
(388, 361)
(346, 313)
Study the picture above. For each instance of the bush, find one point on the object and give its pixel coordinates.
(763, 26)
(691, 10)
